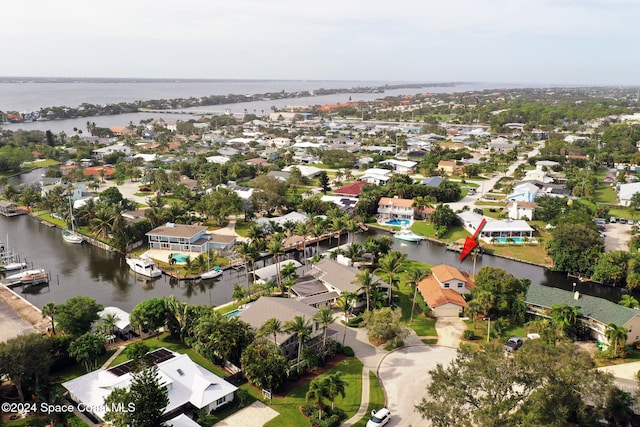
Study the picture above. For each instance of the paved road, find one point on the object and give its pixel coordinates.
(11, 324)
(404, 374)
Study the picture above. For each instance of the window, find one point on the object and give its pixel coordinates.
(460, 284)
(446, 285)
(221, 401)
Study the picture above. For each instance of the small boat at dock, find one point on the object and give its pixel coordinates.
(212, 274)
(407, 235)
(144, 266)
(16, 278)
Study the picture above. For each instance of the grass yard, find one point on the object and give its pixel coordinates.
(427, 229)
(376, 399)
(242, 227)
(290, 415)
(78, 369)
(535, 254)
(605, 195)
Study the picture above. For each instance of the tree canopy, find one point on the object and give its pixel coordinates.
(76, 316)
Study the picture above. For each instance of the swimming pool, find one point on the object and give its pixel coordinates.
(180, 258)
(513, 239)
(233, 313)
(399, 222)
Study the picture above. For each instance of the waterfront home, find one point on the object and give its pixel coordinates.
(190, 387)
(498, 229)
(99, 153)
(122, 326)
(180, 237)
(443, 290)
(595, 313)
(8, 208)
(283, 309)
(270, 272)
(390, 208)
(279, 221)
(327, 280)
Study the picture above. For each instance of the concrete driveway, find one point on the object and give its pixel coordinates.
(255, 415)
(450, 330)
(404, 375)
(617, 237)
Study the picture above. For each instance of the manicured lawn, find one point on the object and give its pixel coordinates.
(78, 369)
(242, 227)
(376, 399)
(427, 229)
(290, 416)
(535, 254)
(605, 194)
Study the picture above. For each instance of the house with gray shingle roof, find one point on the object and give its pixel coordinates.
(596, 312)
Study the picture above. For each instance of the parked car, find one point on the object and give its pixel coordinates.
(513, 344)
(612, 219)
(630, 222)
(622, 221)
(379, 417)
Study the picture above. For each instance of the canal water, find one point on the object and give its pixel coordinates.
(105, 276)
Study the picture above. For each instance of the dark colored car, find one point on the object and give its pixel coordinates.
(513, 344)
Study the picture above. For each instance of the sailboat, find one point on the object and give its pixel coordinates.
(9, 261)
(72, 236)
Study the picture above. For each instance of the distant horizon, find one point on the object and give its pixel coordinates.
(53, 79)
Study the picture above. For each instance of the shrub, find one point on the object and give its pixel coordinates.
(244, 398)
(468, 334)
(348, 351)
(355, 322)
(309, 356)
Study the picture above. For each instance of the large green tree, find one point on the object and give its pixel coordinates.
(575, 247)
(25, 358)
(550, 385)
(384, 325)
(149, 314)
(86, 349)
(264, 365)
(499, 291)
(76, 316)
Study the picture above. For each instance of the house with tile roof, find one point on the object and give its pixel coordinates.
(190, 386)
(595, 313)
(390, 208)
(353, 189)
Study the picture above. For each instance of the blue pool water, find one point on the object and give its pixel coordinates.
(515, 239)
(233, 313)
(400, 222)
(179, 257)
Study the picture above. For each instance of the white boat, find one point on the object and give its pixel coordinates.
(212, 274)
(16, 277)
(11, 266)
(144, 266)
(72, 236)
(407, 235)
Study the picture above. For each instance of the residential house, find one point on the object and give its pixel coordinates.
(390, 208)
(99, 172)
(501, 145)
(327, 280)
(99, 153)
(521, 210)
(400, 166)
(122, 325)
(283, 309)
(494, 228)
(595, 313)
(190, 387)
(524, 192)
(351, 190)
(279, 221)
(376, 176)
(270, 272)
(221, 160)
(443, 290)
(8, 208)
(448, 166)
(344, 203)
(626, 192)
(432, 181)
(306, 171)
(180, 237)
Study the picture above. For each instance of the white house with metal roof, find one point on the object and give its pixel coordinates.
(495, 228)
(189, 385)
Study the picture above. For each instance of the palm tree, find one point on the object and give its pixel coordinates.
(244, 249)
(391, 264)
(336, 386)
(414, 276)
(102, 223)
(50, 309)
(367, 283)
(474, 308)
(564, 316)
(318, 390)
(325, 318)
(629, 301)
(351, 226)
(345, 305)
(301, 328)
(337, 226)
(109, 323)
(275, 248)
(616, 334)
(271, 326)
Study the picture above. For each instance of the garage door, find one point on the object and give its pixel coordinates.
(445, 311)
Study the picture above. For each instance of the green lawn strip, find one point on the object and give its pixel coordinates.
(376, 399)
(605, 194)
(427, 229)
(290, 415)
(242, 227)
(77, 369)
(535, 254)
(59, 222)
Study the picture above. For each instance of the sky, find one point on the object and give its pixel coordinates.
(509, 41)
